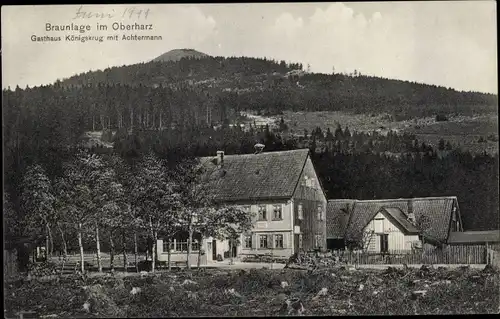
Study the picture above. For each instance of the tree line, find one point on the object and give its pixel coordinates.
(104, 197)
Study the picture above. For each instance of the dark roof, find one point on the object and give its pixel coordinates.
(266, 175)
(337, 216)
(396, 215)
(437, 210)
(474, 237)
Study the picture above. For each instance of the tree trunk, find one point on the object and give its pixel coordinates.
(131, 119)
(47, 247)
(199, 252)
(160, 122)
(111, 252)
(169, 254)
(51, 242)
(80, 244)
(153, 246)
(65, 248)
(103, 122)
(93, 123)
(136, 261)
(231, 251)
(65, 245)
(189, 246)
(124, 251)
(98, 247)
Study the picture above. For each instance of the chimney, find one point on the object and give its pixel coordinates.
(220, 158)
(411, 215)
(258, 148)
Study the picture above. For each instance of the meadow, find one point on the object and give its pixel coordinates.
(463, 132)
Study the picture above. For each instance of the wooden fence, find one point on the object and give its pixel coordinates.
(473, 254)
(10, 266)
(493, 258)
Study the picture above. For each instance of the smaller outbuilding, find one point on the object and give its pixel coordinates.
(474, 237)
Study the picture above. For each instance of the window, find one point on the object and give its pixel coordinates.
(263, 241)
(300, 212)
(378, 225)
(278, 213)
(317, 243)
(262, 212)
(278, 241)
(308, 182)
(320, 212)
(182, 246)
(165, 246)
(384, 243)
(248, 241)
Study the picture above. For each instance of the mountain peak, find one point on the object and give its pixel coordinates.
(177, 54)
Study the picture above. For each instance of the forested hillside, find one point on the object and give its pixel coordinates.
(273, 86)
(172, 107)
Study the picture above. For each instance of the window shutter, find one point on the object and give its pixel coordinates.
(270, 241)
(254, 241)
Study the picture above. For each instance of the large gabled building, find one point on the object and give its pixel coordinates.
(283, 192)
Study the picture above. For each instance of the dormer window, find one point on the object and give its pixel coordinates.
(262, 212)
(308, 182)
(411, 218)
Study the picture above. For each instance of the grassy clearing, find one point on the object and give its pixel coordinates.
(462, 131)
(261, 292)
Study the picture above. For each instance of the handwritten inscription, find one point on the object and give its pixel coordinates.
(84, 24)
(127, 12)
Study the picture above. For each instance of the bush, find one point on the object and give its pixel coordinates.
(441, 118)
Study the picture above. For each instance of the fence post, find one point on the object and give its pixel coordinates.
(486, 255)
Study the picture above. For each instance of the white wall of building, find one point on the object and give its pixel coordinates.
(397, 240)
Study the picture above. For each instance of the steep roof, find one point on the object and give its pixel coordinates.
(437, 211)
(337, 216)
(474, 237)
(401, 220)
(267, 175)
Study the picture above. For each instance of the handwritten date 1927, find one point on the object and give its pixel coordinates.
(127, 12)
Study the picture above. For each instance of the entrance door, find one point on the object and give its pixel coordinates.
(234, 250)
(214, 250)
(296, 243)
(384, 243)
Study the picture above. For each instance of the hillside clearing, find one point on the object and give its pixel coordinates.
(462, 131)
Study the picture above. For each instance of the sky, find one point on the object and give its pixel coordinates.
(448, 43)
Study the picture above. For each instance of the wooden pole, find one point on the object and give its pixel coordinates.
(487, 254)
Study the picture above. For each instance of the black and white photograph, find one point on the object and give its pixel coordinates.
(250, 159)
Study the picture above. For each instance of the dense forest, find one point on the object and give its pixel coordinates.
(172, 107)
(273, 86)
(353, 165)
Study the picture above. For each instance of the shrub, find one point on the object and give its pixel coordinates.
(441, 118)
